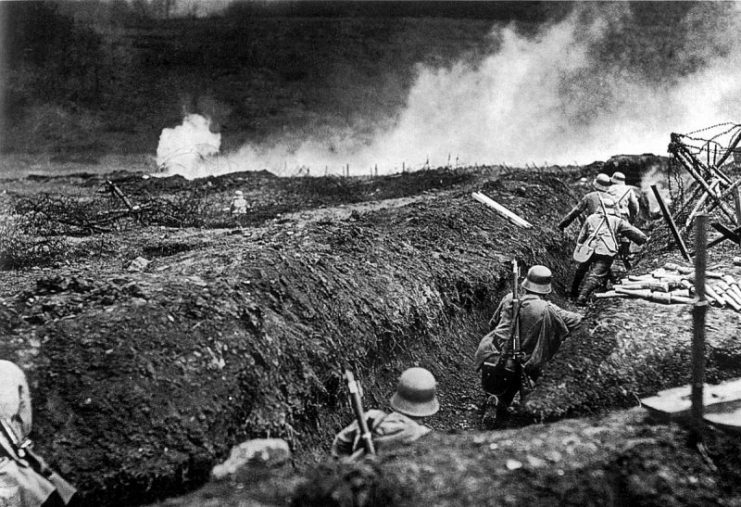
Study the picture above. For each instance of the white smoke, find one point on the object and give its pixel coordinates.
(184, 149)
(543, 99)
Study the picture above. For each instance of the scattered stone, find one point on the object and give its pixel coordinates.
(513, 464)
(138, 264)
(266, 452)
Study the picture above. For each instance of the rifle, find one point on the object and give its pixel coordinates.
(23, 451)
(515, 362)
(357, 405)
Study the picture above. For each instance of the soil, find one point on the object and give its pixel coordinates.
(144, 379)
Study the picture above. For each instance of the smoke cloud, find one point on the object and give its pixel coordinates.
(579, 90)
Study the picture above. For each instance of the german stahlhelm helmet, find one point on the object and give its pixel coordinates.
(15, 399)
(238, 193)
(618, 177)
(416, 393)
(538, 280)
(602, 182)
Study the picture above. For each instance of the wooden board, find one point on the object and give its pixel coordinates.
(676, 403)
(725, 416)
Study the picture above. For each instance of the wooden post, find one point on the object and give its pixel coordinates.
(737, 205)
(699, 310)
(670, 222)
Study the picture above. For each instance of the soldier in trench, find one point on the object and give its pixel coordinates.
(415, 398)
(598, 243)
(588, 205)
(542, 328)
(25, 478)
(628, 207)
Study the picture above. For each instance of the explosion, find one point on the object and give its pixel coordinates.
(184, 149)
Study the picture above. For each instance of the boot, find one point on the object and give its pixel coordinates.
(590, 285)
(490, 412)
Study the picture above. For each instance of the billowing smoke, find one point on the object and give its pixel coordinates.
(579, 90)
(184, 149)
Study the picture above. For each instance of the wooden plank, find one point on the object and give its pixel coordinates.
(670, 222)
(675, 404)
(513, 217)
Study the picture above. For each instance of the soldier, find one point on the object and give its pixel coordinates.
(624, 196)
(627, 204)
(25, 479)
(238, 208)
(589, 204)
(542, 328)
(598, 244)
(415, 398)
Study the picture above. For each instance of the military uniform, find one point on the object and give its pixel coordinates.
(543, 326)
(388, 430)
(415, 398)
(22, 485)
(600, 234)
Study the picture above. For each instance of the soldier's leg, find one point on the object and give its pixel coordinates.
(581, 271)
(595, 279)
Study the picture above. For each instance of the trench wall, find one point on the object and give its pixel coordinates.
(139, 394)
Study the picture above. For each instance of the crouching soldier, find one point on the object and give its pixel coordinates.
(415, 399)
(598, 244)
(526, 332)
(25, 479)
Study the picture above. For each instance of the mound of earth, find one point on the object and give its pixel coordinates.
(143, 380)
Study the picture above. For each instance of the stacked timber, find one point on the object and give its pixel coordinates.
(674, 284)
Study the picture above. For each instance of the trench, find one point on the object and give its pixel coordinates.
(254, 347)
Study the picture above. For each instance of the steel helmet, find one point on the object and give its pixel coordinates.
(238, 193)
(618, 177)
(538, 280)
(416, 393)
(602, 182)
(15, 398)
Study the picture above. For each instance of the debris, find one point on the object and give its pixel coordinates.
(263, 452)
(138, 264)
(513, 464)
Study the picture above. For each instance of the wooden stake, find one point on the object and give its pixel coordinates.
(670, 222)
(699, 310)
(737, 205)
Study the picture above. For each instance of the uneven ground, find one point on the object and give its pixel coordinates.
(229, 335)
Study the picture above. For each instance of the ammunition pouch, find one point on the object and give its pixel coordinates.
(496, 378)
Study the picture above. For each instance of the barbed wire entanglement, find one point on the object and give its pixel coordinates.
(705, 168)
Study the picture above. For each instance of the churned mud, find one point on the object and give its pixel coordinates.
(143, 378)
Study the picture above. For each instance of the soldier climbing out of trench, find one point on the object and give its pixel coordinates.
(588, 205)
(598, 244)
(526, 332)
(415, 398)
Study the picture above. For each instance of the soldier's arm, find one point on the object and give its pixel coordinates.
(632, 233)
(494, 321)
(571, 319)
(571, 215)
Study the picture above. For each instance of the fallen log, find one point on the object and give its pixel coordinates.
(513, 217)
